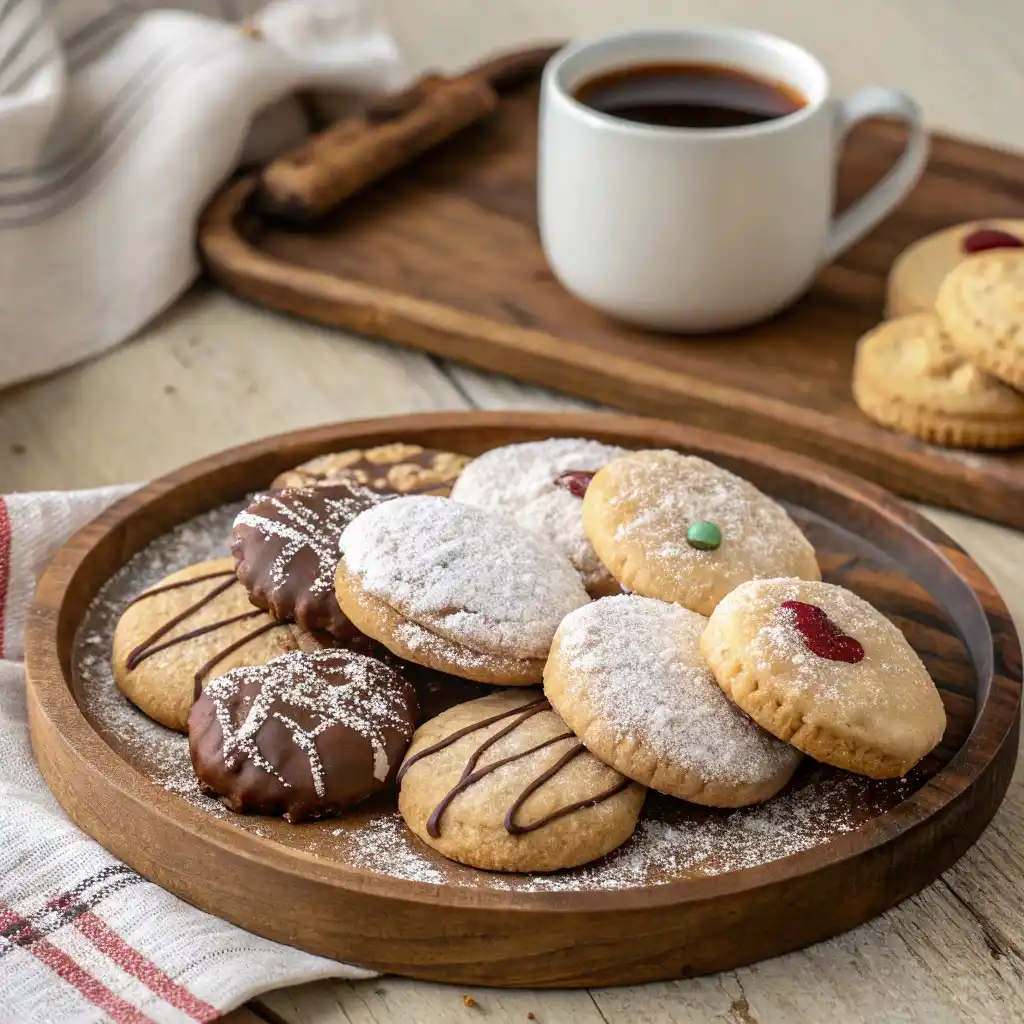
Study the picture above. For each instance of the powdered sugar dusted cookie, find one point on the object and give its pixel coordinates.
(304, 736)
(502, 784)
(192, 626)
(397, 468)
(456, 588)
(627, 676)
(540, 484)
(818, 666)
(286, 548)
(679, 528)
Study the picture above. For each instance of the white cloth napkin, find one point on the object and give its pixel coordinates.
(117, 122)
(83, 938)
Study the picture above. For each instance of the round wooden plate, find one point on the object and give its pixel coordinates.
(481, 934)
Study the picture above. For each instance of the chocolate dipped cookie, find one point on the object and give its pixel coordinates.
(304, 736)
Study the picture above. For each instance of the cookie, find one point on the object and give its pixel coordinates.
(286, 552)
(909, 375)
(819, 667)
(391, 468)
(626, 675)
(540, 485)
(502, 784)
(981, 306)
(456, 588)
(189, 628)
(915, 276)
(304, 736)
(679, 528)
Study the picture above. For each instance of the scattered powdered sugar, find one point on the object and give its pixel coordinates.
(673, 841)
(636, 664)
(385, 846)
(468, 574)
(329, 687)
(306, 518)
(519, 481)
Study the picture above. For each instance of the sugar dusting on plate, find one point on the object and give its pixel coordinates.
(673, 841)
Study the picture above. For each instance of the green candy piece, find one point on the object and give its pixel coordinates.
(704, 536)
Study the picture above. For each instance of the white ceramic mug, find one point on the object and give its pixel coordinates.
(694, 229)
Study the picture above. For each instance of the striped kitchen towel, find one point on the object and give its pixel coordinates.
(83, 938)
(118, 119)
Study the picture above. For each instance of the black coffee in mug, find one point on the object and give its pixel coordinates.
(687, 95)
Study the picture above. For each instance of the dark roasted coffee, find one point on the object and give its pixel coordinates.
(682, 95)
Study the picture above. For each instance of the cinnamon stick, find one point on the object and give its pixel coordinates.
(330, 167)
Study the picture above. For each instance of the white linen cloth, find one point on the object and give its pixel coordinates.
(117, 122)
(83, 938)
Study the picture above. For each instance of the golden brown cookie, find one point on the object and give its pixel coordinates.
(192, 626)
(681, 529)
(540, 485)
(392, 468)
(918, 271)
(456, 588)
(981, 306)
(909, 375)
(819, 667)
(626, 675)
(502, 784)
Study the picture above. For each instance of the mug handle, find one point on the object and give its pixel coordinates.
(852, 224)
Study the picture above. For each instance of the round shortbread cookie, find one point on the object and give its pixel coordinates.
(638, 510)
(981, 306)
(414, 643)
(304, 736)
(819, 667)
(192, 626)
(627, 676)
(502, 784)
(397, 468)
(473, 579)
(915, 276)
(909, 375)
(540, 485)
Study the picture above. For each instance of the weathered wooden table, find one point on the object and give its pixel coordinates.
(214, 373)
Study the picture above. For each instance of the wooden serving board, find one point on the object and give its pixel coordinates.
(409, 911)
(443, 255)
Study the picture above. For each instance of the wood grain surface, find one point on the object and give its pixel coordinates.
(470, 933)
(216, 372)
(443, 255)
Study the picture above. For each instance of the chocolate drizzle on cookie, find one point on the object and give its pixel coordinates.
(151, 645)
(286, 547)
(471, 774)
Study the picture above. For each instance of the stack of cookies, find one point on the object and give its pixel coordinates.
(522, 644)
(948, 366)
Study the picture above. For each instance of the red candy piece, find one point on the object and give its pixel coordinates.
(576, 481)
(991, 238)
(821, 635)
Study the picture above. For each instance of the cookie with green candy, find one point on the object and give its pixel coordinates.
(681, 529)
